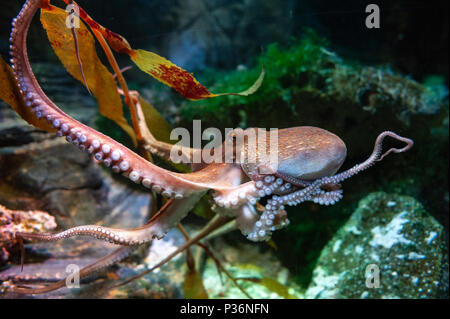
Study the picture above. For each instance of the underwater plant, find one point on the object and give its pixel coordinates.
(308, 158)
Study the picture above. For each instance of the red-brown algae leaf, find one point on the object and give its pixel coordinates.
(99, 80)
(116, 41)
(181, 81)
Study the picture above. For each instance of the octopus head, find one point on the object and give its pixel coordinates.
(280, 162)
(305, 153)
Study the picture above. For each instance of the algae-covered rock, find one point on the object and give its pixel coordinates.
(307, 79)
(12, 221)
(389, 248)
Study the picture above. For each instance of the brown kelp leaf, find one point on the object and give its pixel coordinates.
(99, 80)
(9, 93)
(272, 285)
(45, 4)
(155, 122)
(193, 286)
(160, 68)
(160, 129)
(272, 244)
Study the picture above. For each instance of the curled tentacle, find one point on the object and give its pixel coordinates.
(376, 156)
(308, 192)
(301, 183)
(251, 191)
(236, 196)
(328, 198)
(379, 141)
(293, 180)
(313, 192)
(274, 216)
(270, 220)
(166, 218)
(246, 217)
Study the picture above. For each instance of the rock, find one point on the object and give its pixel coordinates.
(393, 236)
(63, 90)
(216, 33)
(53, 175)
(12, 221)
(66, 92)
(42, 172)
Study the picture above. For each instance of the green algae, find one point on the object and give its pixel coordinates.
(283, 66)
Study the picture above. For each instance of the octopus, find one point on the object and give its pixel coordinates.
(308, 160)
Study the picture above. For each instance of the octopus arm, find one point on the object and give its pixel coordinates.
(110, 259)
(168, 216)
(113, 154)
